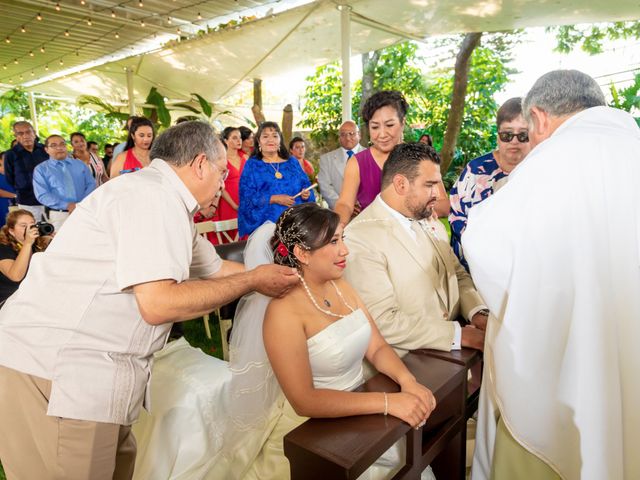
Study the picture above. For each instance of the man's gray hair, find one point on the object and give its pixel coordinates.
(22, 123)
(563, 92)
(180, 144)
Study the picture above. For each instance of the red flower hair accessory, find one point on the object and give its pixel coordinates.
(282, 249)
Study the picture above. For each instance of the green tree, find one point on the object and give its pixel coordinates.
(590, 37)
(400, 67)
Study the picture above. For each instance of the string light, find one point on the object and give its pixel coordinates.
(113, 14)
(61, 62)
(66, 33)
(39, 17)
(32, 74)
(15, 60)
(142, 24)
(178, 31)
(140, 4)
(77, 53)
(4, 66)
(31, 53)
(42, 49)
(58, 6)
(199, 16)
(21, 77)
(89, 22)
(82, 2)
(22, 29)
(169, 21)
(46, 67)
(8, 40)
(117, 35)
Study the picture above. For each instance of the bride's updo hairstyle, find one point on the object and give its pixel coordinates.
(307, 225)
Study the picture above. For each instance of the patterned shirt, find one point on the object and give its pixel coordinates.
(480, 179)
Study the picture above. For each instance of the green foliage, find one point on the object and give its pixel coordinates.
(57, 117)
(627, 99)
(159, 114)
(400, 68)
(590, 37)
(322, 112)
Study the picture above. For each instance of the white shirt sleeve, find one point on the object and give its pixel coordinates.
(206, 261)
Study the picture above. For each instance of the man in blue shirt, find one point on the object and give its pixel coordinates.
(19, 164)
(61, 182)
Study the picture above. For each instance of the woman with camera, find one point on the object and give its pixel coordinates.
(19, 239)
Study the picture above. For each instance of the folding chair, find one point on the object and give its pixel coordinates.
(221, 228)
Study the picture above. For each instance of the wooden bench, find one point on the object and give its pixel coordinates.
(343, 448)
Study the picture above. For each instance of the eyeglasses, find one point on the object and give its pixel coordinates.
(57, 145)
(348, 134)
(224, 173)
(523, 137)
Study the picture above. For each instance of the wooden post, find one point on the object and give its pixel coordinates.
(257, 92)
(287, 124)
(345, 40)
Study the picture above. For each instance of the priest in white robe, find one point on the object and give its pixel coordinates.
(556, 256)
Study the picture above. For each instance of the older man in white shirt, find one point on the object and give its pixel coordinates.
(560, 393)
(332, 163)
(77, 338)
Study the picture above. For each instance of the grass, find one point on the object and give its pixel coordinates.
(195, 334)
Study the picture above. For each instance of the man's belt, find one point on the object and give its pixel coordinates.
(47, 210)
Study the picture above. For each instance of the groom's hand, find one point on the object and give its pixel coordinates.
(274, 280)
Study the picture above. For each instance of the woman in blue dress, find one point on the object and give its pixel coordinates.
(271, 181)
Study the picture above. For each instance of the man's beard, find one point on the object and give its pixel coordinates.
(419, 212)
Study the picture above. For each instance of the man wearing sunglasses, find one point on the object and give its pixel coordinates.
(483, 176)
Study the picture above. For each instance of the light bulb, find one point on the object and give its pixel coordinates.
(39, 17)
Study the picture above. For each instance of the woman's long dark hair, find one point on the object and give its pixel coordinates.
(283, 153)
(6, 238)
(136, 123)
(307, 225)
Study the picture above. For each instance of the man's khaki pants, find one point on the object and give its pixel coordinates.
(36, 446)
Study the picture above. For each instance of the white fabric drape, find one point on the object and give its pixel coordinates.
(556, 256)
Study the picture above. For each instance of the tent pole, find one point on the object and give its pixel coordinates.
(34, 113)
(132, 102)
(345, 36)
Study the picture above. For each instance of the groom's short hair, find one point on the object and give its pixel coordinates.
(405, 160)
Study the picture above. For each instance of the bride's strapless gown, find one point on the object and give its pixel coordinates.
(182, 439)
(335, 355)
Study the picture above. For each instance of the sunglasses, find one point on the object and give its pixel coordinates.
(523, 137)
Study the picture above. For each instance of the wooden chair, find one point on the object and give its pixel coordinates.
(221, 228)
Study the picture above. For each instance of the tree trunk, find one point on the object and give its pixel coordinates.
(369, 65)
(460, 80)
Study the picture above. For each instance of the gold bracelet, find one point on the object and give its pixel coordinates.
(386, 404)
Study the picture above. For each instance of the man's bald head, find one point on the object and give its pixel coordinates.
(349, 135)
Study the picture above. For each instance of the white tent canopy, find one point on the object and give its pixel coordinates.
(215, 64)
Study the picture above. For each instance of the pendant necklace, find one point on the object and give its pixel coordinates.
(325, 301)
(277, 174)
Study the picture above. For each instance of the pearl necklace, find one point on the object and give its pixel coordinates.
(315, 304)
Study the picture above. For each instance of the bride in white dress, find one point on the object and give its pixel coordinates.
(316, 338)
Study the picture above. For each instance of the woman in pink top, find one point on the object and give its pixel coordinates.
(136, 153)
(384, 113)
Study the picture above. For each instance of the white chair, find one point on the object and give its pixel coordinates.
(221, 228)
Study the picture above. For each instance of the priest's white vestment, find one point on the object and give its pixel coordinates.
(555, 253)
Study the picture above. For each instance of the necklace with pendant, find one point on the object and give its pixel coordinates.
(325, 301)
(277, 173)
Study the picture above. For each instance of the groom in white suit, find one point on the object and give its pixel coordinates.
(401, 264)
(332, 163)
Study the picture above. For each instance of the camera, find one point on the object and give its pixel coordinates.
(44, 228)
